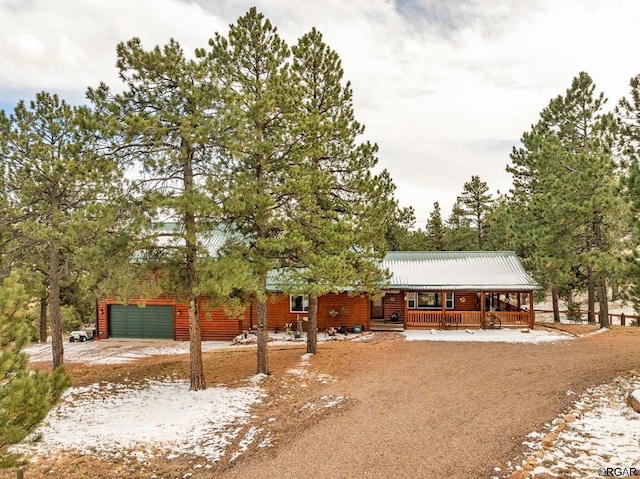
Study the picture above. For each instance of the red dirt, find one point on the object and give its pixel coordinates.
(411, 409)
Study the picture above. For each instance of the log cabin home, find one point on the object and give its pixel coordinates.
(427, 289)
(437, 289)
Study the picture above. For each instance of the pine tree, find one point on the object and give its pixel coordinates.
(475, 202)
(500, 233)
(25, 396)
(436, 231)
(566, 183)
(257, 153)
(165, 124)
(399, 232)
(61, 192)
(628, 148)
(337, 199)
(460, 234)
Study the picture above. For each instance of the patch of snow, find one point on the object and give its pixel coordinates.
(602, 431)
(505, 335)
(108, 419)
(115, 351)
(246, 441)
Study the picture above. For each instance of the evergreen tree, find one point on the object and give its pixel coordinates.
(165, 124)
(435, 230)
(257, 153)
(500, 233)
(460, 234)
(61, 192)
(475, 202)
(399, 233)
(338, 200)
(628, 148)
(25, 396)
(566, 183)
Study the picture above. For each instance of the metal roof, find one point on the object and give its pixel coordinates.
(458, 270)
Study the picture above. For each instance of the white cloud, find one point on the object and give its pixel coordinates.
(445, 88)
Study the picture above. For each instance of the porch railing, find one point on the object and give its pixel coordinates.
(471, 319)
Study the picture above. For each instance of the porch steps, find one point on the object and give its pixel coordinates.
(385, 326)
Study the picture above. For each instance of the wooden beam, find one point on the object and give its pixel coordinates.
(443, 299)
(532, 314)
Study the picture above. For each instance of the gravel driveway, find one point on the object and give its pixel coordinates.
(440, 410)
(383, 408)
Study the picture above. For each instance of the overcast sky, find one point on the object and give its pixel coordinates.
(444, 87)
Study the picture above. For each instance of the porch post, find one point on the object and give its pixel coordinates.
(482, 310)
(443, 310)
(405, 315)
(532, 314)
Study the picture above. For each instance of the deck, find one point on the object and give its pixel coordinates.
(463, 319)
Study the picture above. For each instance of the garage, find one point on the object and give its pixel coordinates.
(132, 321)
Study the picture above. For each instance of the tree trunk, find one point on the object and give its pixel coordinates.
(556, 304)
(591, 298)
(43, 318)
(312, 325)
(198, 381)
(603, 302)
(191, 244)
(263, 366)
(57, 347)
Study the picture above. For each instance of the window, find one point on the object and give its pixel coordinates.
(428, 300)
(411, 300)
(299, 303)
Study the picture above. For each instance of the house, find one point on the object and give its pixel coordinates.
(427, 289)
(433, 289)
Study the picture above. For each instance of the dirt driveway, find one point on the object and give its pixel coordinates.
(406, 409)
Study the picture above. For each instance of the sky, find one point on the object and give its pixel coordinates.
(446, 88)
(603, 430)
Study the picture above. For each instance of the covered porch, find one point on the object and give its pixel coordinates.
(461, 289)
(513, 309)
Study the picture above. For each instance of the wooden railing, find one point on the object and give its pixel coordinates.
(464, 319)
(513, 318)
(617, 319)
(423, 319)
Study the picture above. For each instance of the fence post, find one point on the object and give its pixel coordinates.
(20, 474)
(622, 319)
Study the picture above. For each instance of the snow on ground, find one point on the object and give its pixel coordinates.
(131, 419)
(115, 351)
(504, 335)
(122, 419)
(601, 431)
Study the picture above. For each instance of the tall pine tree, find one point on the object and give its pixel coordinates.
(257, 153)
(475, 202)
(62, 193)
(460, 234)
(435, 230)
(567, 182)
(628, 148)
(165, 124)
(338, 200)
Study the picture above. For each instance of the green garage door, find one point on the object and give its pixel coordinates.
(135, 322)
